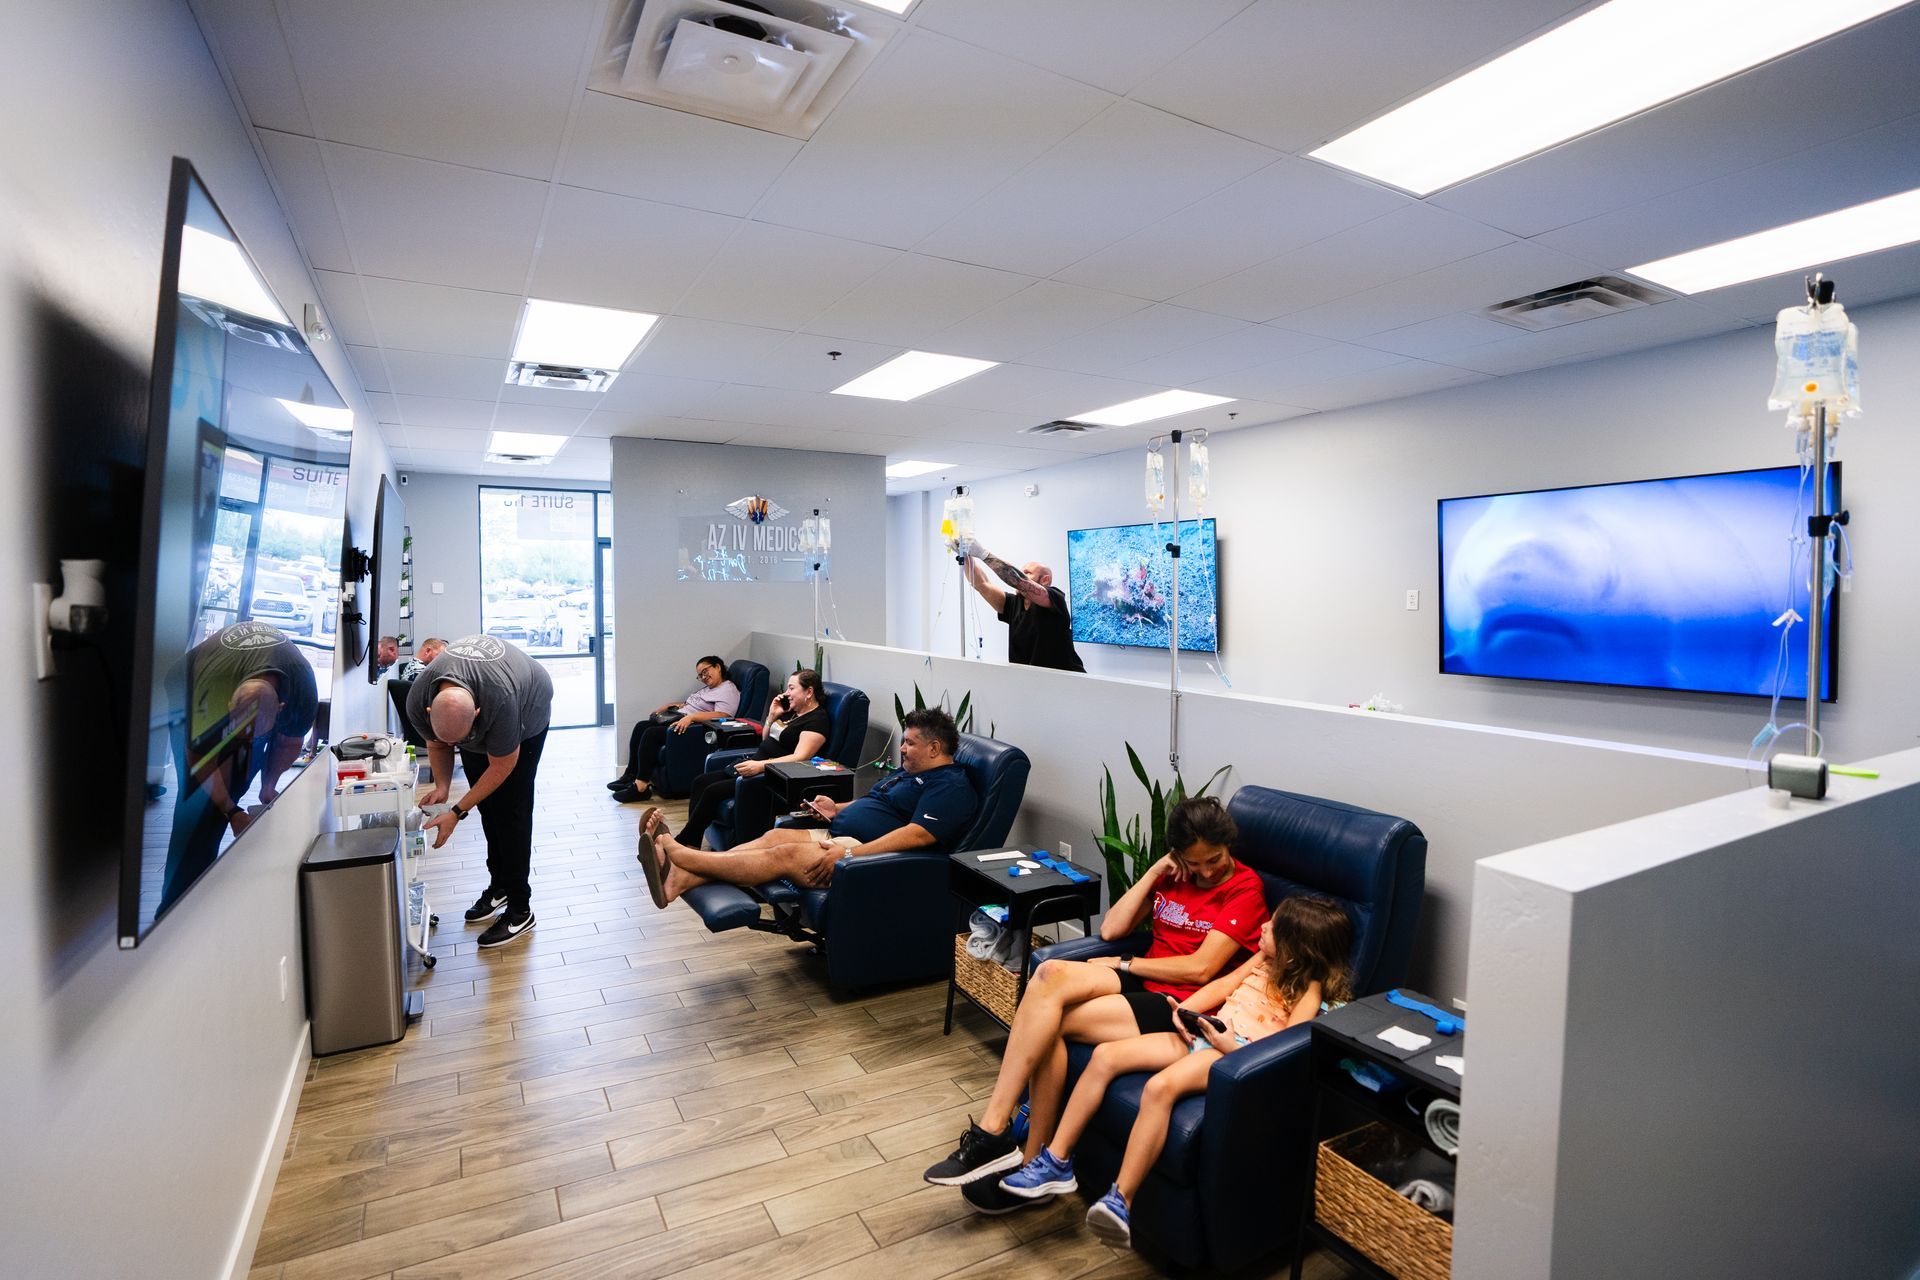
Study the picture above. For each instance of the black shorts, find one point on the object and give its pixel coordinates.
(1151, 1012)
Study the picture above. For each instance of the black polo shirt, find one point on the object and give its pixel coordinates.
(1038, 637)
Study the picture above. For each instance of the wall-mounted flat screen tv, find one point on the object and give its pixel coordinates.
(244, 516)
(1120, 585)
(1656, 584)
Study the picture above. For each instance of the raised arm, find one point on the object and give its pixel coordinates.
(1021, 584)
(985, 585)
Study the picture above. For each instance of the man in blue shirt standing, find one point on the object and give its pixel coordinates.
(928, 804)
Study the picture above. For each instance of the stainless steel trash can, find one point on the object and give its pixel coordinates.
(350, 904)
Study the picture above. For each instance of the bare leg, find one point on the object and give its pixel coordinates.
(1114, 1058)
(1043, 1098)
(1149, 1136)
(756, 863)
(1057, 987)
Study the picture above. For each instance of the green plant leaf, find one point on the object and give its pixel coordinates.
(899, 711)
(960, 716)
(1139, 770)
(1210, 781)
(919, 699)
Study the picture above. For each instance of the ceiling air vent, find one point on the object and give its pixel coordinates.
(558, 377)
(1572, 303)
(1060, 426)
(781, 66)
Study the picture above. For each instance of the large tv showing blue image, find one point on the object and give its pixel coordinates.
(1661, 584)
(1120, 585)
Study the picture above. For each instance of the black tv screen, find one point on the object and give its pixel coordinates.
(244, 516)
(1660, 584)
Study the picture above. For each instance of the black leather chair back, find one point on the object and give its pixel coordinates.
(1372, 864)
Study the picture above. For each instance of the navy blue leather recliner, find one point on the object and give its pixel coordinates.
(886, 917)
(846, 709)
(1224, 1191)
(684, 755)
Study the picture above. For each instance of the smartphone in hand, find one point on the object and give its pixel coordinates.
(1194, 1020)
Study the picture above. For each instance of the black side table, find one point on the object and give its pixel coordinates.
(1352, 1032)
(792, 781)
(1038, 897)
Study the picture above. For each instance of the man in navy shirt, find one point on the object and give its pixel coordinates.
(928, 804)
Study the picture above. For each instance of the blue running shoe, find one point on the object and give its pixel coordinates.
(1108, 1221)
(1044, 1175)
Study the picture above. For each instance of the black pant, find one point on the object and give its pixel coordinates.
(507, 816)
(643, 751)
(752, 807)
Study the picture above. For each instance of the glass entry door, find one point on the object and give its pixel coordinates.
(540, 559)
(603, 633)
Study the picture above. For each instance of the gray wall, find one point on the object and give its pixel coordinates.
(663, 625)
(1692, 1045)
(143, 1088)
(1326, 521)
(443, 511)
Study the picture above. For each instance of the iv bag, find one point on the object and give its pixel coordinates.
(1816, 361)
(826, 533)
(956, 521)
(809, 535)
(1156, 480)
(1198, 473)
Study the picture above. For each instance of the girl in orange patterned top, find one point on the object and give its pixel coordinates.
(1302, 961)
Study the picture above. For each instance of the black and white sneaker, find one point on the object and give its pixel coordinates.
(517, 922)
(486, 906)
(979, 1154)
(986, 1195)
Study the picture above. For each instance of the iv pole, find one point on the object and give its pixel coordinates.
(1173, 550)
(1820, 534)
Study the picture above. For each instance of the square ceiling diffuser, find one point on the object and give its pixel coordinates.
(733, 71)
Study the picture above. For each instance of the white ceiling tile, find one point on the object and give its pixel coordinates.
(346, 308)
(1109, 43)
(1391, 382)
(1279, 380)
(1442, 337)
(441, 413)
(1879, 162)
(419, 220)
(1402, 243)
(613, 251)
(1036, 316)
(433, 317)
(934, 125)
(482, 83)
(1242, 348)
(371, 367)
(780, 278)
(637, 149)
(801, 363)
(634, 392)
(1039, 395)
(914, 297)
(683, 347)
(1294, 73)
(1116, 347)
(447, 440)
(419, 373)
(547, 419)
(1129, 167)
(1287, 204)
(1498, 275)
(1786, 106)
(547, 396)
(385, 407)
(700, 430)
(247, 34)
(302, 179)
(1675, 321)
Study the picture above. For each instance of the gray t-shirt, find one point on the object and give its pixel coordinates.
(514, 694)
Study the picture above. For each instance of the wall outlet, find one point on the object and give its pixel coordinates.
(1413, 599)
(285, 980)
(1460, 1004)
(1066, 852)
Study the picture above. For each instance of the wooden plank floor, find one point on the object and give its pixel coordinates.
(623, 1094)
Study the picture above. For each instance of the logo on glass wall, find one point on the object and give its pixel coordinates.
(756, 510)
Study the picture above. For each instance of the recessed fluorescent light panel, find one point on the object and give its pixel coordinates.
(214, 268)
(1831, 237)
(322, 418)
(909, 469)
(526, 447)
(1147, 408)
(1607, 64)
(567, 333)
(909, 376)
(889, 6)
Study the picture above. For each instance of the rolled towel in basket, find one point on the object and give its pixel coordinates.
(1428, 1194)
(1443, 1124)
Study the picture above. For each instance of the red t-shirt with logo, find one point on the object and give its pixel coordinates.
(1184, 914)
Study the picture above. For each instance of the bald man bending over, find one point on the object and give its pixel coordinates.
(492, 702)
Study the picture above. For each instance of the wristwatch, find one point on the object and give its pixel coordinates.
(458, 813)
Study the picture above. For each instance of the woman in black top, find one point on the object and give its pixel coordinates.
(797, 732)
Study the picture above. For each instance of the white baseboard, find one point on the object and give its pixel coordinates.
(247, 1239)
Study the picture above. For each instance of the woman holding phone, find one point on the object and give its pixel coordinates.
(796, 731)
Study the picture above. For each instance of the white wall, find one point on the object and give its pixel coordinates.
(1326, 521)
(1692, 1050)
(1473, 790)
(143, 1088)
(663, 625)
(443, 511)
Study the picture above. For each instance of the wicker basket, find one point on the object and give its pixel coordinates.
(992, 986)
(1394, 1232)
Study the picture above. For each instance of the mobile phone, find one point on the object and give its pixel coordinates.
(1193, 1021)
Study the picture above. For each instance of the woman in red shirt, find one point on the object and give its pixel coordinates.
(1206, 911)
